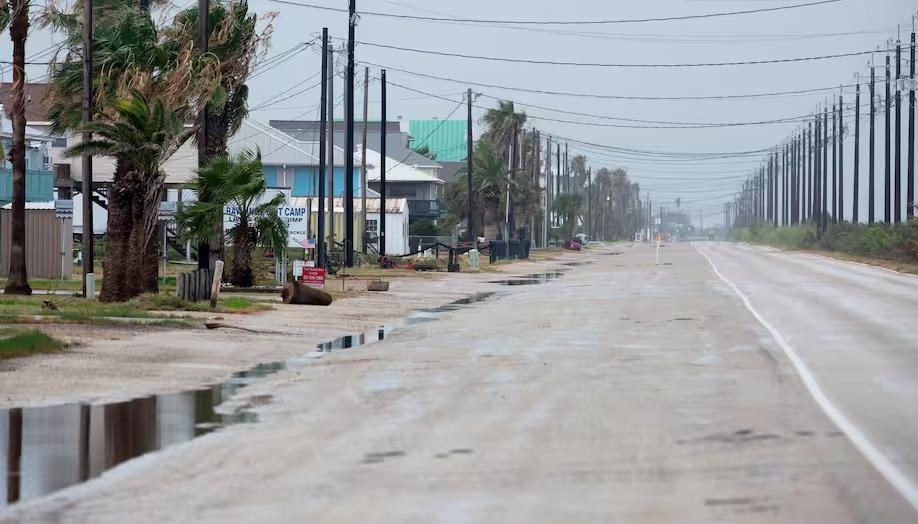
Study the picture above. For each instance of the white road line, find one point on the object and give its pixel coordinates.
(899, 480)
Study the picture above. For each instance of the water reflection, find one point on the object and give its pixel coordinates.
(50, 448)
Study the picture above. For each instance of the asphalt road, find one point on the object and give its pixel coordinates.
(621, 392)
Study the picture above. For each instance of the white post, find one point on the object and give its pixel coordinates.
(658, 251)
(215, 285)
(165, 250)
(63, 250)
(90, 283)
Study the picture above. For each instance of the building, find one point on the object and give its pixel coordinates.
(447, 141)
(290, 163)
(422, 190)
(399, 144)
(39, 175)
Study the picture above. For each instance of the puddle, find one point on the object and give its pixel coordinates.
(581, 263)
(45, 449)
(530, 280)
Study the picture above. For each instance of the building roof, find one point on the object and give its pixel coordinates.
(397, 142)
(447, 139)
(279, 148)
(396, 171)
(36, 107)
(6, 128)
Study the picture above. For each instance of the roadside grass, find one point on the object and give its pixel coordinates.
(146, 310)
(16, 342)
(879, 244)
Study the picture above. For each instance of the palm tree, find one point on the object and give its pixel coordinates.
(503, 125)
(569, 206)
(235, 42)
(141, 136)
(489, 184)
(15, 14)
(237, 183)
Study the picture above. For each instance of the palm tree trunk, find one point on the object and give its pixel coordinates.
(241, 274)
(18, 283)
(123, 266)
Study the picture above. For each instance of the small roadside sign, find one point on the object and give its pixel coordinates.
(313, 276)
(63, 209)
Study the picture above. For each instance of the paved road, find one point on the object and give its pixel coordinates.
(853, 328)
(623, 392)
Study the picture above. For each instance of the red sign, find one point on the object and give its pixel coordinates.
(313, 276)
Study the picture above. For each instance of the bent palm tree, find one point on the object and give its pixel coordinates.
(236, 184)
(140, 136)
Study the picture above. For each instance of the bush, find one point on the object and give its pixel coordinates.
(898, 242)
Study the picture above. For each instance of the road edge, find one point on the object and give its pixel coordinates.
(890, 472)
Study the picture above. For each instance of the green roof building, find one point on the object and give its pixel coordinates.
(444, 138)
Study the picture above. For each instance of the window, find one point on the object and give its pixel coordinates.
(373, 225)
(59, 141)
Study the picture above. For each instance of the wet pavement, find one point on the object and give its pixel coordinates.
(50, 448)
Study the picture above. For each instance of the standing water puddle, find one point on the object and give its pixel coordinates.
(530, 280)
(44, 449)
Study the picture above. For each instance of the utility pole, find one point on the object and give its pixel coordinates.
(567, 171)
(871, 196)
(349, 140)
(855, 218)
(88, 247)
(548, 189)
(824, 200)
(382, 165)
(841, 158)
(470, 196)
(363, 158)
(898, 153)
(590, 203)
(807, 169)
(834, 165)
(817, 172)
(888, 145)
(330, 101)
(910, 188)
(323, 130)
(559, 176)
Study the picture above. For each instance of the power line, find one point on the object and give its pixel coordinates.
(621, 65)
(612, 97)
(655, 124)
(560, 22)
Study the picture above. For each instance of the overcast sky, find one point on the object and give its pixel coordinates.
(782, 34)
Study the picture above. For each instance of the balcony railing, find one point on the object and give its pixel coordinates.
(424, 209)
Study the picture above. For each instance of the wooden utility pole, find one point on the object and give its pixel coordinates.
(910, 188)
(470, 195)
(888, 194)
(855, 217)
(88, 244)
(841, 158)
(363, 158)
(323, 132)
(382, 166)
(897, 170)
(331, 148)
(871, 152)
(349, 139)
(204, 248)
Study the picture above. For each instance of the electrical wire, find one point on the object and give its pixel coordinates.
(612, 97)
(528, 61)
(561, 22)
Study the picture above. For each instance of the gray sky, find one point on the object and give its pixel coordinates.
(748, 37)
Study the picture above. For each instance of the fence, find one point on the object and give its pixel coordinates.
(515, 249)
(193, 286)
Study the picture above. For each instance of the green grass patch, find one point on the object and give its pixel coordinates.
(897, 242)
(25, 342)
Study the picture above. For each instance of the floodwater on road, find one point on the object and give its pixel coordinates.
(44, 449)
